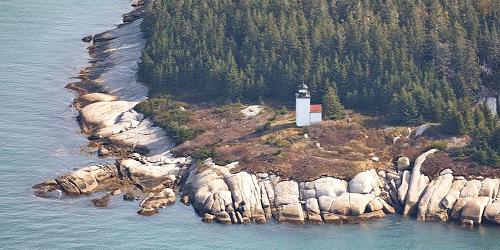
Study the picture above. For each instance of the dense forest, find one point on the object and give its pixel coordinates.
(414, 61)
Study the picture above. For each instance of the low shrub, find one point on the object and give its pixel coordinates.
(203, 153)
(266, 127)
(439, 144)
(169, 115)
(282, 111)
(277, 142)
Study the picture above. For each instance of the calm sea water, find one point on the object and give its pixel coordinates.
(40, 50)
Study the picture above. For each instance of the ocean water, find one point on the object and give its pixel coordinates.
(40, 51)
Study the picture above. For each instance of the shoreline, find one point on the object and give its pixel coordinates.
(108, 91)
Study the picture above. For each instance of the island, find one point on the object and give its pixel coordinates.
(215, 126)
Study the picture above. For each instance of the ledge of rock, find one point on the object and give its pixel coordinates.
(103, 114)
(153, 202)
(83, 181)
(89, 98)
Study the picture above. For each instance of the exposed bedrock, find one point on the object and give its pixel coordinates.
(154, 201)
(108, 93)
(83, 181)
(245, 197)
(417, 184)
(219, 195)
(89, 98)
(155, 176)
(118, 123)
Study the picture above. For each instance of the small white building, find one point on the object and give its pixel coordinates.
(305, 113)
(492, 104)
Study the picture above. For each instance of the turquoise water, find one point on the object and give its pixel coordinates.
(40, 50)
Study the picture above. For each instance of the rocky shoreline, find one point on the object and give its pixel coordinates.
(147, 171)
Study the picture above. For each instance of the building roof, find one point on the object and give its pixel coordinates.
(303, 85)
(316, 108)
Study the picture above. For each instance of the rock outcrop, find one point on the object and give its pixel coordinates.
(430, 206)
(492, 212)
(126, 175)
(89, 98)
(417, 184)
(243, 197)
(454, 193)
(362, 183)
(83, 181)
(471, 189)
(103, 114)
(155, 201)
(473, 209)
(150, 177)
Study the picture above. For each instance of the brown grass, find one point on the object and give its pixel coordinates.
(442, 160)
(346, 147)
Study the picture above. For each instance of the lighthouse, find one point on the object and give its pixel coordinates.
(305, 113)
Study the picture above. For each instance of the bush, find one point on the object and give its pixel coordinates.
(277, 142)
(439, 144)
(168, 114)
(204, 153)
(482, 153)
(282, 111)
(230, 112)
(174, 117)
(264, 128)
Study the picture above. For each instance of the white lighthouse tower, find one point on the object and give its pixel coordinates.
(305, 113)
(302, 106)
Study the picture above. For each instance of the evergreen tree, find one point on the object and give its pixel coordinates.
(332, 108)
(438, 51)
(406, 108)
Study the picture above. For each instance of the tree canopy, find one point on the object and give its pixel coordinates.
(412, 61)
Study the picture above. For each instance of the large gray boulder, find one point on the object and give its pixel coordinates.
(362, 183)
(425, 199)
(83, 181)
(313, 211)
(358, 203)
(287, 203)
(471, 189)
(454, 193)
(489, 188)
(403, 188)
(150, 176)
(328, 186)
(286, 192)
(245, 190)
(208, 190)
(159, 200)
(375, 205)
(291, 213)
(341, 205)
(325, 202)
(403, 163)
(434, 210)
(492, 212)
(474, 209)
(312, 205)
